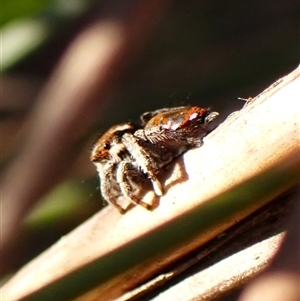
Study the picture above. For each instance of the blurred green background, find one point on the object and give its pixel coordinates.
(205, 53)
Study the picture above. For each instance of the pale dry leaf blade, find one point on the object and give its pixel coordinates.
(222, 188)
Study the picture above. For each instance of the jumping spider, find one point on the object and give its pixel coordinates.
(128, 154)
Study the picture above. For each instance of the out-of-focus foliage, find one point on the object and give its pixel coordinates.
(60, 204)
(16, 9)
(27, 25)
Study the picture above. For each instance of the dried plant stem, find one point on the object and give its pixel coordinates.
(222, 185)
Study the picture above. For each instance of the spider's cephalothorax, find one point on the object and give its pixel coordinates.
(127, 155)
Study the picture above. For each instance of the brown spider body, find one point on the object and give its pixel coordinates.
(127, 155)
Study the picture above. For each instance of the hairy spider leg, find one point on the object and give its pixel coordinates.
(144, 161)
(125, 172)
(105, 179)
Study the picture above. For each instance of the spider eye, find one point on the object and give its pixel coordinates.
(106, 146)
